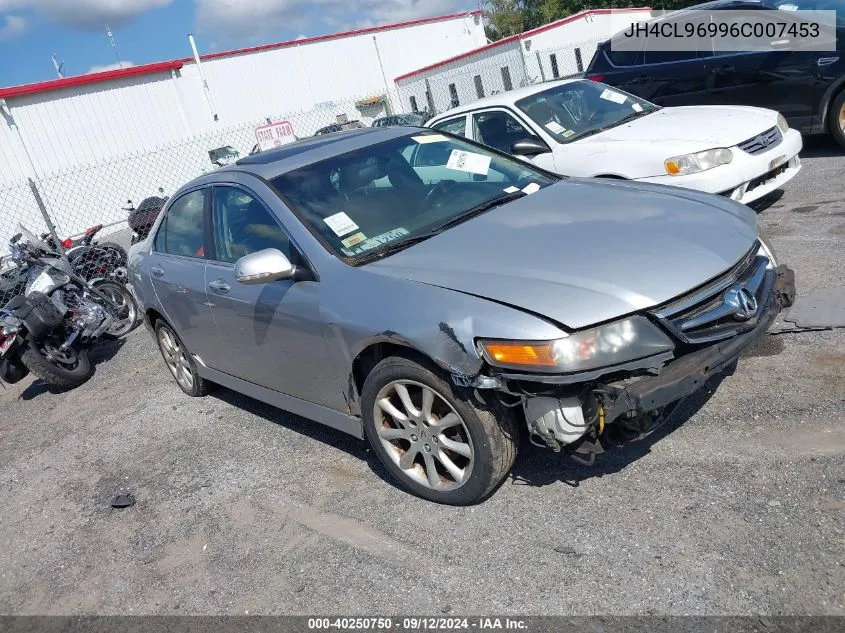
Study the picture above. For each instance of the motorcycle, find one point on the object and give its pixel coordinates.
(49, 327)
(90, 259)
(142, 218)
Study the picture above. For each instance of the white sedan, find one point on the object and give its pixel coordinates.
(585, 128)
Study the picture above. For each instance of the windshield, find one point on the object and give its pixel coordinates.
(813, 5)
(580, 108)
(401, 190)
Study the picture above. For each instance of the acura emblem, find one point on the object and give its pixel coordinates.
(743, 303)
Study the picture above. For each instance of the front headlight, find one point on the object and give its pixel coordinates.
(700, 161)
(766, 249)
(611, 344)
(783, 126)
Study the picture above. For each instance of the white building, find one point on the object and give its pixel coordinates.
(560, 49)
(93, 141)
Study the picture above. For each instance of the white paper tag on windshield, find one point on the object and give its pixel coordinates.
(610, 95)
(430, 138)
(636, 107)
(567, 133)
(555, 127)
(468, 161)
(511, 189)
(530, 188)
(341, 223)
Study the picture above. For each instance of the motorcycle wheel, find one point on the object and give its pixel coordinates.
(64, 370)
(123, 309)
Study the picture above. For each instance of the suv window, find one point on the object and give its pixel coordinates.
(499, 130)
(243, 225)
(453, 126)
(182, 230)
(704, 44)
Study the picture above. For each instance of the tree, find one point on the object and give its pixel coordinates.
(504, 18)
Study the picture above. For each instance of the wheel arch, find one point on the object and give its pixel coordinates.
(829, 97)
(376, 351)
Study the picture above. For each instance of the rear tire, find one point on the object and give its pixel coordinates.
(58, 376)
(179, 361)
(451, 448)
(127, 309)
(836, 118)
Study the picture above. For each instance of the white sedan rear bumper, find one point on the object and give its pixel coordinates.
(747, 177)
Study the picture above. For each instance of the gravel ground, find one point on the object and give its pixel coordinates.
(735, 509)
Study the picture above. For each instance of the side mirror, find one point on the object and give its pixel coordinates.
(529, 147)
(263, 267)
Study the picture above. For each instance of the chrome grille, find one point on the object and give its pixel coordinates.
(762, 142)
(710, 313)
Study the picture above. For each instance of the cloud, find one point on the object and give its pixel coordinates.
(262, 19)
(87, 15)
(13, 26)
(114, 66)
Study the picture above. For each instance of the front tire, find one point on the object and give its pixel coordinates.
(439, 441)
(179, 361)
(64, 370)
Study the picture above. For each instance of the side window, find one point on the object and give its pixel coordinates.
(431, 154)
(242, 225)
(183, 228)
(453, 126)
(499, 130)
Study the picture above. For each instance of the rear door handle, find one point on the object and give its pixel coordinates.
(639, 80)
(157, 271)
(724, 69)
(220, 286)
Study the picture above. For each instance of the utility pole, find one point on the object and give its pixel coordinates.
(113, 46)
(58, 66)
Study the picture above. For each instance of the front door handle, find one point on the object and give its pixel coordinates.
(724, 69)
(157, 271)
(220, 286)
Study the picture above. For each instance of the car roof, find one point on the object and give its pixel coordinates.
(502, 98)
(272, 163)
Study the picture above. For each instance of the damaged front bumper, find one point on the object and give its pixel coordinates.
(688, 373)
(571, 410)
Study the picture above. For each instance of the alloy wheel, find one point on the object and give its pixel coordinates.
(423, 435)
(176, 359)
(842, 118)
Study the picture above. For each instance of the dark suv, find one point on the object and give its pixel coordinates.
(807, 87)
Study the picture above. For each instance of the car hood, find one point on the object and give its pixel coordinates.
(584, 251)
(693, 126)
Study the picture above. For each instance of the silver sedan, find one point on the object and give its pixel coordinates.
(442, 299)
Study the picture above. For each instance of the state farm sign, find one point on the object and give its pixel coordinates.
(274, 135)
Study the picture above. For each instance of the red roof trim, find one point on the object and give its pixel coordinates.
(56, 84)
(518, 37)
(332, 36)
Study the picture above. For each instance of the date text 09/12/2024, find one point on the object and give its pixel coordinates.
(416, 623)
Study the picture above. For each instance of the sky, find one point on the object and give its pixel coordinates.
(146, 31)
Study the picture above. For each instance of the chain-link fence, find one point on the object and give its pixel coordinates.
(95, 209)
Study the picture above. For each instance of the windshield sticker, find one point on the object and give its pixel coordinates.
(530, 188)
(567, 133)
(469, 161)
(511, 189)
(636, 107)
(555, 127)
(352, 240)
(340, 223)
(429, 138)
(378, 240)
(610, 95)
